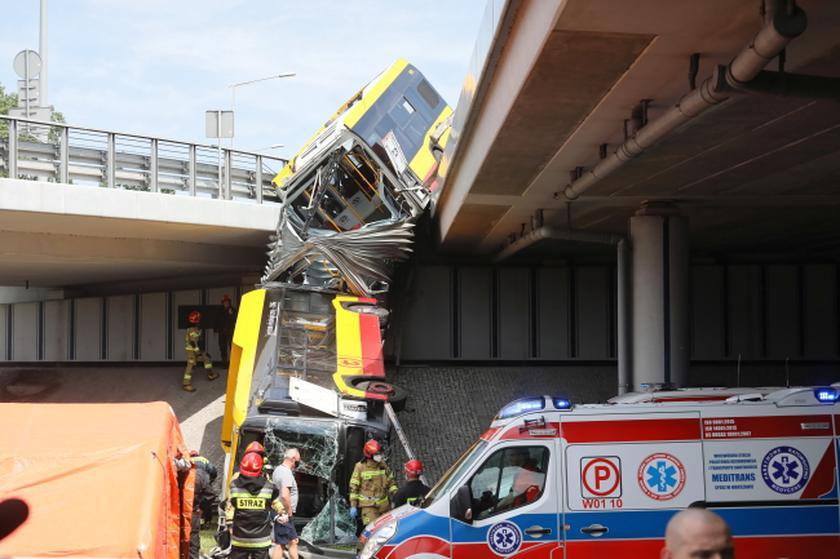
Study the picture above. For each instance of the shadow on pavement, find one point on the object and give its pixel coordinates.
(109, 384)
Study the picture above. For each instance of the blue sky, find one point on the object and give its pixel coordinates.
(154, 66)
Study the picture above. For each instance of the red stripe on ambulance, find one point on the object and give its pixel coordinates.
(425, 545)
(767, 426)
(684, 429)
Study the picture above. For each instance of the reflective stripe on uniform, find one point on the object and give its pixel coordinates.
(251, 542)
(264, 493)
(370, 474)
(365, 501)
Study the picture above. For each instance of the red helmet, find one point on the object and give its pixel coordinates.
(225, 297)
(413, 467)
(372, 447)
(194, 317)
(255, 447)
(194, 453)
(251, 464)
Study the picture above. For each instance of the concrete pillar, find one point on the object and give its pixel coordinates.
(660, 296)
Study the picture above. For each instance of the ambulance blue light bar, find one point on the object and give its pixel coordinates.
(561, 403)
(523, 405)
(827, 395)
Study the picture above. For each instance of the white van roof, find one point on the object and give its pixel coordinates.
(680, 399)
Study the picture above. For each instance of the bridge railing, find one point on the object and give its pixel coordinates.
(56, 152)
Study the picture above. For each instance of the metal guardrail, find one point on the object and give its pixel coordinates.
(55, 152)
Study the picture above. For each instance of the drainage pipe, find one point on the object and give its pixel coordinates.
(623, 311)
(784, 26)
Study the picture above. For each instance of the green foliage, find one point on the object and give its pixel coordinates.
(7, 101)
(55, 133)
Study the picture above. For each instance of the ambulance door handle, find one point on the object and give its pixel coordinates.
(595, 530)
(537, 531)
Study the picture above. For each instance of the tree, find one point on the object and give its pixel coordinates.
(7, 101)
(10, 101)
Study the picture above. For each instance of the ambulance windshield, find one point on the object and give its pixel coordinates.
(455, 473)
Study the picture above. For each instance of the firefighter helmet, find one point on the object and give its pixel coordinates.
(257, 447)
(413, 467)
(372, 447)
(194, 317)
(251, 464)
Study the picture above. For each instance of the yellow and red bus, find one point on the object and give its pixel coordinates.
(398, 104)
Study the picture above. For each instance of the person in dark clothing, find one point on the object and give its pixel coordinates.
(204, 464)
(225, 327)
(414, 490)
(253, 500)
(204, 502)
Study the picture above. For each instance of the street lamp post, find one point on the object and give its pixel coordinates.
(240, 84)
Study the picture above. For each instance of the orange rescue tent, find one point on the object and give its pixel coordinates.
(100, 480)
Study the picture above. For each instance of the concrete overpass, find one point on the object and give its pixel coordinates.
(699, 138)
(93, 207)
(560, 86)
(709, 256)
(72, 237)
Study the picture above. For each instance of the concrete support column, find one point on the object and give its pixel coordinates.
(660, 296)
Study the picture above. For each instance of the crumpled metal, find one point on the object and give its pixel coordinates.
(359, 260)
(363, 258)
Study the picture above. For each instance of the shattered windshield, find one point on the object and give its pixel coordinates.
(316, 441)
(321, 504)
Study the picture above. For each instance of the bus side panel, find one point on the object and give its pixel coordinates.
(246, 338)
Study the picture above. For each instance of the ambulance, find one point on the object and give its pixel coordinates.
(552, 480)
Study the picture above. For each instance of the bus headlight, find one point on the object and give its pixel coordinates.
(378, 539)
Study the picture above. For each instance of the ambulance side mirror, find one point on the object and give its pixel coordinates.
(460, 507)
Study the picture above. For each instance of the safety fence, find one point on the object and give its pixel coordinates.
(57, 152)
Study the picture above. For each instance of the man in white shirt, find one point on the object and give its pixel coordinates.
(285, 535)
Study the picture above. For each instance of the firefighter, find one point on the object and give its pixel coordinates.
(204, 464)
(204, 499)
(195, 353)
(371, 485)
(253, 500)
(257, 448)
(414, 490)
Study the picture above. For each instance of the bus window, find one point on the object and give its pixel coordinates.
(428, 94)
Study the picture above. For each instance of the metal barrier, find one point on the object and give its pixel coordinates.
(94, 157)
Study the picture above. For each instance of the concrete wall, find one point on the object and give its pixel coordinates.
(141, 327)
(764, 312)
(761, 313)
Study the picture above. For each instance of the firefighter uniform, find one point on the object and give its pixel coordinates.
(204, 502)
(371, 487)
(194, 355)
(250, 513)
